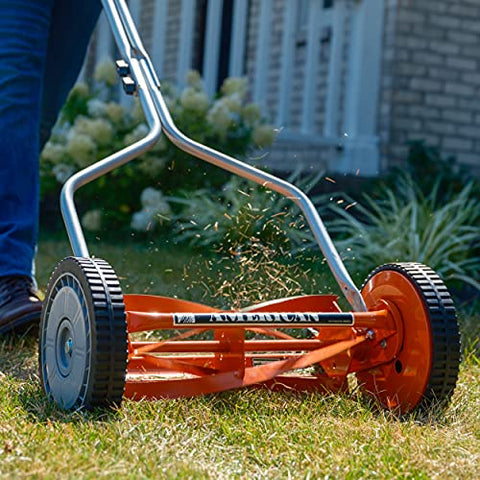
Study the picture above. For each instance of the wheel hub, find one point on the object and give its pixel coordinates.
(64, 348)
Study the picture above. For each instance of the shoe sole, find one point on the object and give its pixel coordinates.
(22, 323)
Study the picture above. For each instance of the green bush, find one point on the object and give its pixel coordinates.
(404, 224)
(93, 125)
(241, 214)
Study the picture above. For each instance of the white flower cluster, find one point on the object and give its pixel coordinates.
(234, 85)
(152, 166)
(96, 107)
(81, 148)
(263, 135)
(194, 80)
(230, 109)
(140, 132)
(112, 111)
(76, 146)
(63, 172)
(98, 129)
(105, 72)
(81, 89)
(84, 138)
(92, 220)
(154, 205)
(115, 112)
(220, 118)
(194, 100)
(93, 125)
(53, 152)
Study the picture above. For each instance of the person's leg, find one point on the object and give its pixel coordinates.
(71, 28)
(24, 30)
(27, 29)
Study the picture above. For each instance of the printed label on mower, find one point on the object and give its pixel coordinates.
(255, 319)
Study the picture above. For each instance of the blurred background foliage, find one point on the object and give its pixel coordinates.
(94, 124)
(426, 211)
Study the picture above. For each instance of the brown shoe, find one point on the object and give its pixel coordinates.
(20, 308)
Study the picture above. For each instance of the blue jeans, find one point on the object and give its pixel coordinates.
(42, 46)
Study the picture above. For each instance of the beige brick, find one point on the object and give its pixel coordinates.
(442, 73)
(406, 27)
(470, 51)
(413, 136)
(402, 96)
(399, 151)
(472, 78)
(460, 37)
(435, 6)
(470, 131)
(431, 139)
(403, 83)
(389, 54)
(425, 84)
(402, 109)
(414, 42)
(444, 21)
(457, 116)
(457, 144)
(444, 47)
(462, 63)
(428, 58)
(471, 25)
(429, 31)
(468, 103)
(470, 159)
(459, 89)
(424, 112)
(437, 100)
(402, 54)
(441, 128)
(407, 123)
(463, 10)
(411, 16)
(410, 69)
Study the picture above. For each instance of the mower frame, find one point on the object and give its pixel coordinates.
(400, 337)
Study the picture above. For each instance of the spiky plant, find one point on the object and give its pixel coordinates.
(404, 224)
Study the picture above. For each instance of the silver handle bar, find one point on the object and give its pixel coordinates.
(158, 116)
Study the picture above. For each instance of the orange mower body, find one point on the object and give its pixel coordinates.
(400, 337)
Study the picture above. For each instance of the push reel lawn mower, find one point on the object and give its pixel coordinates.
(400, 338)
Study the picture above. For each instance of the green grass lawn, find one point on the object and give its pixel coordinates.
(239, 434)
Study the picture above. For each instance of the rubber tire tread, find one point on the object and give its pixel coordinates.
(109, 339)
(444, 328)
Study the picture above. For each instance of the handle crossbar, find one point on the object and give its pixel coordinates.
(158, 117)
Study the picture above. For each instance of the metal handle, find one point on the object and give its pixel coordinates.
(130, 46)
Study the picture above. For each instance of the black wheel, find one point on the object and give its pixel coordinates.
(83, 335)
(425, 370)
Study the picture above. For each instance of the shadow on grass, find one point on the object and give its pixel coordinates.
(263, 402)
(19, 374)
(21, 389)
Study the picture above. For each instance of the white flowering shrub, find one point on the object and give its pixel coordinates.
(92, 220)
(155, 209)
(93, 124)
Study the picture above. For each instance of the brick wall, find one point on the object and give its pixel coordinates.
(431, 79)
(289, 153)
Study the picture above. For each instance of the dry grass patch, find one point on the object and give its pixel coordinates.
(238, 434)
